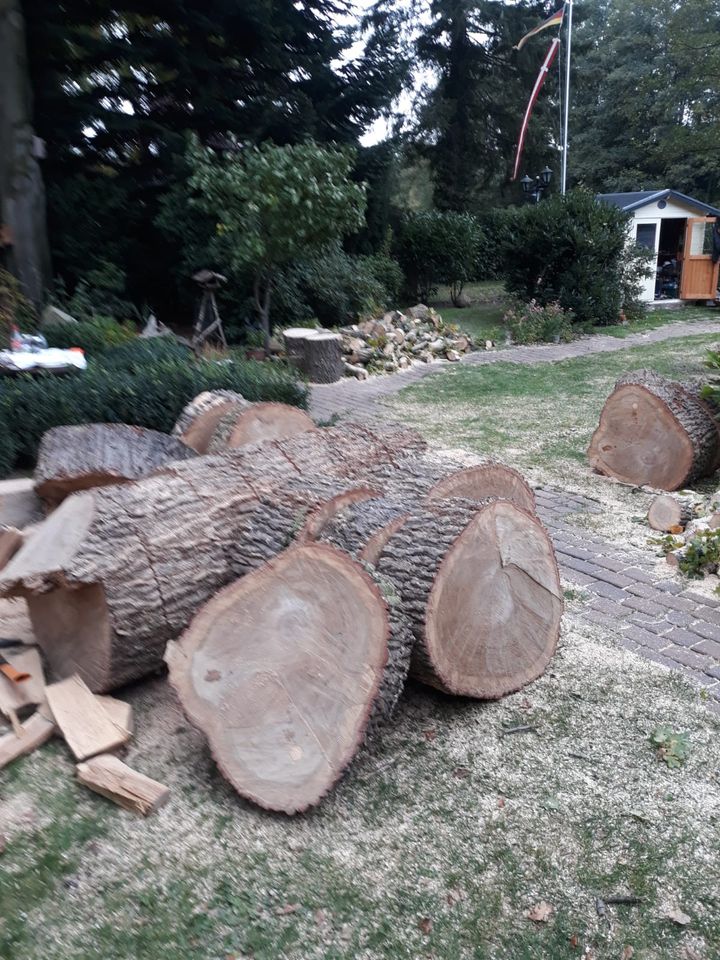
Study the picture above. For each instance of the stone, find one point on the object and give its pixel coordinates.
(426, 356)
(462, 301)
(51, 315)
(438, 345)
(419, 312)
(399, 336)
(452, 355)
(489, 345)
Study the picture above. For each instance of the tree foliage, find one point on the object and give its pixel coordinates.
(439, 247)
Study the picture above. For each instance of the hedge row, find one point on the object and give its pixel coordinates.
(144, 382)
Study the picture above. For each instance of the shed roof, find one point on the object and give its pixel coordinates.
(640, 198)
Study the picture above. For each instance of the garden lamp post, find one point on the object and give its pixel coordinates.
(534, 189)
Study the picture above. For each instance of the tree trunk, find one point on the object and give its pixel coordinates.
(295, 338)
(479, 584)
(241, 426)
(198, 421)
(670, 514)
(284, 671)
(322, 358)
(99, 454)
(24, 248)
(654, 432)
(116, 572)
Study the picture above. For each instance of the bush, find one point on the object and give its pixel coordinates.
(439, 247)
(147, 385)
(533, 323)
(574, 251)
(15, 309)
(95, 336)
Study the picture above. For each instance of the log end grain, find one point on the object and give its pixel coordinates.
(240, 427)
(490, 479)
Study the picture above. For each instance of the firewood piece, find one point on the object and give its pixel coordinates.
(295, 338)
(98, 454)
(110, 777)
(261, 421)
(20, 506)
(322, 358)
(86, 727)
(16, 696)
(10, 542)
(197, 422)
(284, 669)
(669, 514)
(654, 432)
(35, 731)
(120, 713)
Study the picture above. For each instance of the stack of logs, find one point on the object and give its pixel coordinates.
(291, 584)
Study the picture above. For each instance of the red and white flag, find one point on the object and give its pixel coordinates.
(544, 70)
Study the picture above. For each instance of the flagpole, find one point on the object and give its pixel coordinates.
(568, 50)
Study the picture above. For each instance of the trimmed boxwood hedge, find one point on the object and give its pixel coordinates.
(145, 382)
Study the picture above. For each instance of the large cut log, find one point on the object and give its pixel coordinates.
(654, 432)
(322, 357)
(242, 426)
(294, 338)
(479, 584)
(116, 572)
(670, 514)
(285, 670)
(98, 454)
(199, 419)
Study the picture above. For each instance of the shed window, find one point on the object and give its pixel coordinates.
(645, 236)
(701, 239)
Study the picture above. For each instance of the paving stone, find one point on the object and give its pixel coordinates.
(709, 631)
(699, 598)
(608, 590)
(683, 638)
(713, 670)
(567, 561)
(610, 607)
(610, 563)
(635, 573)
(679, 618)
(644, 638)
(616, 579)
(685, 656)
(668, 586)
(644, 606)
(677, 603)
(709, 647)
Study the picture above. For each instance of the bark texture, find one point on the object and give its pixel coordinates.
(284, 670)
(99, 454)
(242, 426)
(294, 338)
(322, 358)
(654, 432)
(199, 419)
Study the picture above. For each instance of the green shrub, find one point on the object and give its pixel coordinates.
(15, 309)
(533, 323)
(8, 446)
(147, 385)
(439, 247)
(95, 336)
(574, 251)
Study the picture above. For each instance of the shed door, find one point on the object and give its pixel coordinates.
(647, 235)
(699, 273)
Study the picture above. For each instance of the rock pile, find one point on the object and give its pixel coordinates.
(397, 340)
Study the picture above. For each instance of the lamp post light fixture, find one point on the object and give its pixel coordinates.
(534, 189)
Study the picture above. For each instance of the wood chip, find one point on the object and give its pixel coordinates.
(109, 776)
(87, 728)
(35, 731)
(541, 912)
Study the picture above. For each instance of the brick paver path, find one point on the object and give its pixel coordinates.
(661, 619)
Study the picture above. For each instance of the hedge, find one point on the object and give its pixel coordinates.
(146, 383)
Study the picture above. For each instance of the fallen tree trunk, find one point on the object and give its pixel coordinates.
(198, 421)
(670, 514)
(479, 584)
(286, 669)
(242, 426)
(654, 432)
(114, 573)
(99, 454)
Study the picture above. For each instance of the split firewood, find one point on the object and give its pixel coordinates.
(355, 370)
(120, 713)
(197, 422)
(110, 777)
(286, 669)
(10, 542)
(87, 728)
(35, 732)
(670, 514)
(241, 426)
(98, 454)
(654, 432)
(479, 584)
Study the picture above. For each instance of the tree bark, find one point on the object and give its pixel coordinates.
(198, 421)
(285, 671)
(99, 454)
(654, 432)
(322, 358)
(294, 338)
(241, 426)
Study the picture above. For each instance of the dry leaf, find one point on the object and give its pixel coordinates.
(628, 953)
(462, 773)
(501, 801)
(455, 896)
(429, 734)
(426, 925)
(574, 941)
(677, 916)
(541, 912)
(288, 908)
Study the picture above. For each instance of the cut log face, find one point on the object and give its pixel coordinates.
(198, 421)
(281, 671)
(669, 514)
(99, 454)
(489, 479)
(240, 427)
(653, 432)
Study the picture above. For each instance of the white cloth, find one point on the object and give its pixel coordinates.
(50, 359)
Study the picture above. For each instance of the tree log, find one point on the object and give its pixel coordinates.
(284, 671)
(294, 338)
(99, 454)
(479, 584)
(197, 422)
(653, 432)
(322, 358)
(669, 514)
(116, 572)
(241, 426)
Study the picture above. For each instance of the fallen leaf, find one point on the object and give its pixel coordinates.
(541, 912)
(429, 734)
(574, 941)
(677, 916)
(288, 908)
(526, 705)
(628, 953)
(454, 896)
(501, 801)
(426, 925)
(462, 773)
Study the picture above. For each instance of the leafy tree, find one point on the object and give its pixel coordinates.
(439, 247)
(274, 205)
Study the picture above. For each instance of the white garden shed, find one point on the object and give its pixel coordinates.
(678, 231)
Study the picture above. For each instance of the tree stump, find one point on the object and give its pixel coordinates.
(241, 426)
(284, 670)
(294, 338)
(98, 454)
(670, 514)
(654, 432)
(198, 421)
(322, 358)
